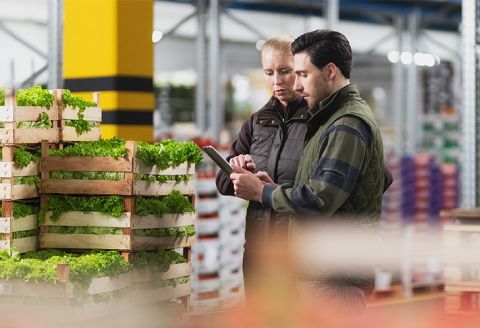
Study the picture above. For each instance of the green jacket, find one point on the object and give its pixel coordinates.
(341, 170)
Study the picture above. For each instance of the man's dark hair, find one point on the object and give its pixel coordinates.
(326, 46)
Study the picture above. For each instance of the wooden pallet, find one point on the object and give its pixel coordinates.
(9, 171)
(91, 114)
(462, 303)
(11, 114)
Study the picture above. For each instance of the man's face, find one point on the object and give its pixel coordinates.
(312, 83)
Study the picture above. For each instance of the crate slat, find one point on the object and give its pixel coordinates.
(109, 284)
(174, 271)
(90, 114)
(87, 187)
(153, 243)
(85, 241)
(28, 135)
(22, 245)
(92, 219)
(86, 164)
(139, 166)
(21, 288)
(26, 113)
(9, 224)
(16, 192)
(162, 189)
(166, 221)
(68, 134)
(10, 170)
(162, 294)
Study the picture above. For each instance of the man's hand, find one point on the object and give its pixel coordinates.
(246, 185)
(264, 177)
(243, 161)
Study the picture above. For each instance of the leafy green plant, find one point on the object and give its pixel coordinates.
(108, 205)
(41, 266)
(2, 97)
(34, 96)
(28, 180)
(103, 148)
(81, 125)
(175, 203)
(169, 153)
(162, 178)
(112, 176)
(43, 122)
(23, 157)
(157, 261)
(21, 210)
(166, 232)
(25, 234)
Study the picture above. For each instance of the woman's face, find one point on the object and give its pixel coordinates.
(278, 69)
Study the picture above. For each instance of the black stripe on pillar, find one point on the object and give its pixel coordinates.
(110, 83)
(127, 117)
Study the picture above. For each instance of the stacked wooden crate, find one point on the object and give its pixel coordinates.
(12, 136)
(462, 262)
(129, 224)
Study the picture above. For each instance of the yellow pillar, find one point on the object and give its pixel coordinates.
(108, 48)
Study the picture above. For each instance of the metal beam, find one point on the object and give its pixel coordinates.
(180, 23)
(28, 82)
(333, 13)
(19, 39)
(413, 114)
(398, 87)
(216, 114)
(201, 53)
(55, 44)
(470, 68)
(244, 24)
(382, 40)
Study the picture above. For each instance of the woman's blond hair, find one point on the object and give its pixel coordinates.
(282, 43)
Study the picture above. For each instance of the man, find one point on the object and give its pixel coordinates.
(341, 170)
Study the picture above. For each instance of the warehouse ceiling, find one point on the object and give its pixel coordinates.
(436, 14)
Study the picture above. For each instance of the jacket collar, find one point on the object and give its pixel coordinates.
(273, 109)
(329, 105)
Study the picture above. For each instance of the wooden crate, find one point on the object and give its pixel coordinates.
(128, 222)
(87, 164)
(91, 114)
(133, 283)
(9, 171)
(9, 225)
(129, 165)
(11, 114)
(161, 189)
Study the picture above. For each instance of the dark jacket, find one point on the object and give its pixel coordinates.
(274, 138)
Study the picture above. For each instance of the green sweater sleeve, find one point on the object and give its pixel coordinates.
(344, 150)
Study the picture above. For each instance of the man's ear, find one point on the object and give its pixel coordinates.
(332, 71)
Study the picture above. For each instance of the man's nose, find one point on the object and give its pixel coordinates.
(277, 79)
(298, 86)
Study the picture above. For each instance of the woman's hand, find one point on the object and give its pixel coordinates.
(243, 161)
(264, 177)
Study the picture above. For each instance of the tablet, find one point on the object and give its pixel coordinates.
(218, 159)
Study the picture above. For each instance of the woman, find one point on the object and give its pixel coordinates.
(270, 140)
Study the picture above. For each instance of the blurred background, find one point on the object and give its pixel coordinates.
(191, 70)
